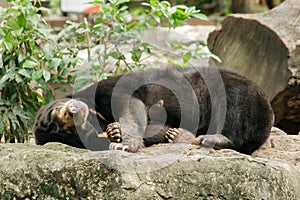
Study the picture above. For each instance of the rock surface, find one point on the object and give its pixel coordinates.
(166, 171)
(281, 147)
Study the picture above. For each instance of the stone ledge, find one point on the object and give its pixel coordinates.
(176, 171)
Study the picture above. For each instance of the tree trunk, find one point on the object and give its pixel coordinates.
(265, 48)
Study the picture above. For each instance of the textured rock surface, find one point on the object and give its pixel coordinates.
(281, 147)
(176, 171)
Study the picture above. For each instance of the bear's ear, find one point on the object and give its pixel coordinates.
(54, 113)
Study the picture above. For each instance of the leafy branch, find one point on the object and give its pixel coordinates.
(30, 60)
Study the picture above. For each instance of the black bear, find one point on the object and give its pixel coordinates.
(219, 108)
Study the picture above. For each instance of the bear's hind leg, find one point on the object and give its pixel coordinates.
(179, 135)
(216, 141)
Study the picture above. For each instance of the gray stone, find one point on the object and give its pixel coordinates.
(166, 171)
(162, 54)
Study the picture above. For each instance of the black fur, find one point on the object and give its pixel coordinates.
(188, 96)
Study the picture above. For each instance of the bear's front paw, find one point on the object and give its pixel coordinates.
(114, 133)
(129, 146)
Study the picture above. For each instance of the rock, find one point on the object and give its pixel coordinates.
(166, 171)
(186, 34)
(161, 38)
(280, 147)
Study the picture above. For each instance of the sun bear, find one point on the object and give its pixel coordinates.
(206, 106)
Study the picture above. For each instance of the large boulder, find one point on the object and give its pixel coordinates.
(166, 171)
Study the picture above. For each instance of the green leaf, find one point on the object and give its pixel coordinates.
(153, 2)
(17, 110)
(145, 4)
(4, 102)
(8, 43)
(181, 15)
(48, 96)
(200, 16)
(24, 72)
(123, 8)
(7, 76)
(46, 75)
(22, 20)
(118, 2)
(13, 97)
(187, 56)
(55, 62)
(12, 64)
(43, 9)
(30, 64)
(18, 79)
(64, 71)
(18, 31)
(115, 55)
(34, 19)
(182, 7)
(21, 56)
(49, 51)
(45, 32)
(82, 38)
(96, 67)
(171, 10)
(157, 17)
(136, 55)
(13, 120)
(36, 75)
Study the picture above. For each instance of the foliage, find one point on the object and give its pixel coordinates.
(194, 50)
(117, 28)
(207, 6)
(174, 15)
(30, 59)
